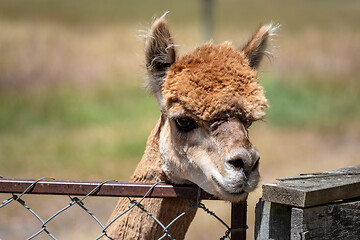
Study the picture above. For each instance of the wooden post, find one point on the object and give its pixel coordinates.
(208, 19)
(311, 206)
(238, 220)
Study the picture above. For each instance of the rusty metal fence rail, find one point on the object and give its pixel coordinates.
(112, 188)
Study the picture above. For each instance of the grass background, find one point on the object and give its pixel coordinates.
(73, 103)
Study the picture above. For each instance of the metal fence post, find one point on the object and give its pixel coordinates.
(238, 220)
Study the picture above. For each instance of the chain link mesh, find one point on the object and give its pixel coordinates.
(132, 204)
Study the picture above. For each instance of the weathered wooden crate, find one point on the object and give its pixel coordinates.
(311, 206)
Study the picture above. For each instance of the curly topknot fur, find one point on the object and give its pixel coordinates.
(215, 81)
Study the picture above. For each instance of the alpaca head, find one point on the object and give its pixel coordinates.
(208, 98)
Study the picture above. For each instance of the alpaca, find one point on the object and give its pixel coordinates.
(208, 99)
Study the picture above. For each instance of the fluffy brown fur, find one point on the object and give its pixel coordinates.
(214, 82)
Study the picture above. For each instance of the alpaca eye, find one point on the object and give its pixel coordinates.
(248, 124)
(185, 124)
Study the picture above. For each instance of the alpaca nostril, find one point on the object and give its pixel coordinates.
(237, 163)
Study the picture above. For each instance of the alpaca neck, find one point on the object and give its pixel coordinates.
(136, 224)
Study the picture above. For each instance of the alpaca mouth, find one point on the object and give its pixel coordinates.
(226, 192)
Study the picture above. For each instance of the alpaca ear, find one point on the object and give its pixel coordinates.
(257, 46)
(159, 54)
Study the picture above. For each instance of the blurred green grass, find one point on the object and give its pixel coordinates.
(329, 106)
(293, 103)
(74, 107)
(75, 129)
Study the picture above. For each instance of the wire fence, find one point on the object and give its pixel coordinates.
(47, 185)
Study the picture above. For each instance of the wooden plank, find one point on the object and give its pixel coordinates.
(262, 211)
(272, 221)
(333, 221)
(316, 188)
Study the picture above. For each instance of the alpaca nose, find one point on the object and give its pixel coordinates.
(236, 164)
(247, 160)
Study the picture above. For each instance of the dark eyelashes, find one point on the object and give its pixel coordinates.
(185, 124)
